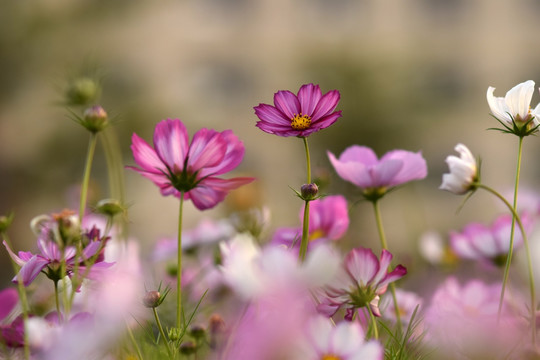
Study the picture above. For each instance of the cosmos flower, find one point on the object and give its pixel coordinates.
(299, 115)
(344, 341)
(51, 255)
(176, 166)
(514, 110)
(360, 166)
(463, 172)
(362, 280)
(480, 242)
(328, 220)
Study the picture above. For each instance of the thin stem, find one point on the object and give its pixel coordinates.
(373, 323)
(134, 342)
(305, 222)
(516, 218)
(179, 265)
(162, 332)
(86, 176)
(22, 297)
(382, 236)
(57, 301)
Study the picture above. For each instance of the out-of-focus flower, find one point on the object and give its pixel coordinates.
(480, 242)
(11, 332)
(345, 341)
(514, 110)
(435, 250)
(461, 322)
(362, 280)
(360, 166)
(177, 167)
(407, 302)
(52, 247)
(328, 220)
(253, 272)
(463, 172)
(299, 115)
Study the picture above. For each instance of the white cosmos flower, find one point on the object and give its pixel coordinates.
(463, 171)
(516, 105)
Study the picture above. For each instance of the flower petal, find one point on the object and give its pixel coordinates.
(145, 156)
(326, 105)
(309, 96)
(414, 166)
(362, 265)
(233, 155)
(270, 115)
(498, 107)
(8, 299)
(171, 143)
(207, 149)
(518, 99)
(31, 269)
(212, 191)
(286, 102)
(353, 172)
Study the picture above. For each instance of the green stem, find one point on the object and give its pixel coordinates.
(382, 237)
(162, 333)
(22, 297)
(57, 301)
(305, 222)
(373, 323)
(134, 342)
(86, 176)
(179, 265)
(516, 218)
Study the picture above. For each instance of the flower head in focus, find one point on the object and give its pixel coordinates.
(360, 166)
(299, 115)
(362, 280)
(464, 172)
(513, 111)
(177, 167)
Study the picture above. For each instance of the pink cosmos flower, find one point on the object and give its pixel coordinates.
(362, 280)
(360, 166)
(299, 115)
(176, 166)
(328, 220)
(480, 242)
(344, 341)
(11, 333)
(50, 255)
(461, 322)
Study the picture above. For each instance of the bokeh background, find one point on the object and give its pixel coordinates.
(412, 75)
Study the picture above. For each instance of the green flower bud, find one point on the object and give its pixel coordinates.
(5, 222)
(197, 331)
(95, 119)
(82, 91)
(188, 348)
(110, 207)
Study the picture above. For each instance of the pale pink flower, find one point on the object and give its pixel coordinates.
(344, 341)
(463, 172)
(177, 167)
(360, 166)
(515, 107)
(480, 242)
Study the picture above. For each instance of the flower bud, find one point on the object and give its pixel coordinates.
(152, 299)
(95, 119)
(82, 91)
(309, 191)
(197, 331)
(110, 207)
(216, 324)
(188, 348)
(5, 222)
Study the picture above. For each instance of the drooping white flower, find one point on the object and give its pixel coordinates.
(463, 171)
(514, 109)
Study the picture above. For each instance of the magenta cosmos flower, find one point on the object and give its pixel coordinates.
(328, 220)
(362, 280)
(360, 166)
(299, 115)
(177, 166)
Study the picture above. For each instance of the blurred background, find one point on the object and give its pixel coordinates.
(412, 75)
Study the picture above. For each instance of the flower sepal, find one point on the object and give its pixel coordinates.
(519, 128)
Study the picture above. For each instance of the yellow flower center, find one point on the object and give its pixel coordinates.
(317, 234)
(300, 122)
(330, 357)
